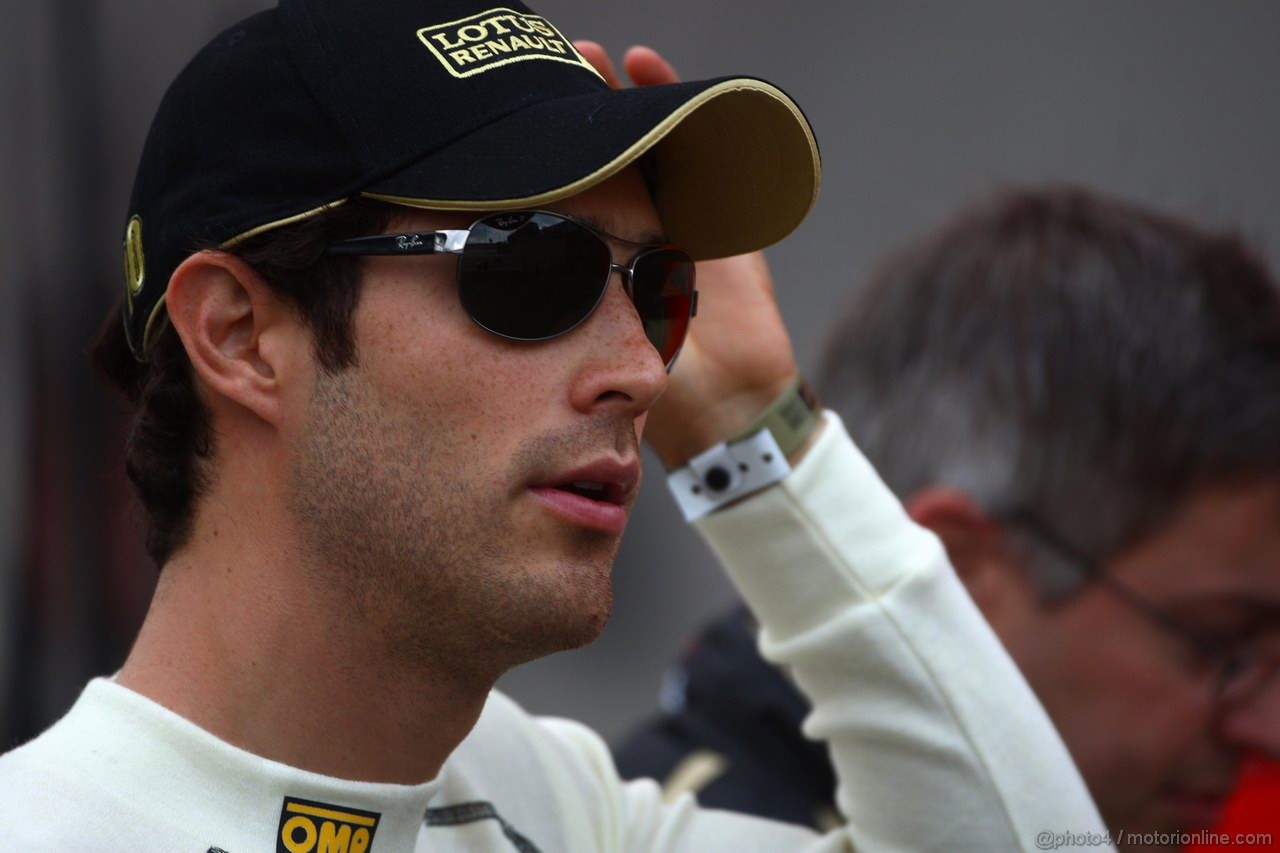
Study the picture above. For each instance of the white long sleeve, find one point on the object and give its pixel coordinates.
(937, 740)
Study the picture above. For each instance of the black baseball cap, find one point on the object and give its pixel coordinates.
(445, 105)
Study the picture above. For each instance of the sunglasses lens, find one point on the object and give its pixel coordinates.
(535, 275)
(531, 276)
(662, 287)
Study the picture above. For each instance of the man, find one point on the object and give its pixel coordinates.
(1078, 397)
(377, 478)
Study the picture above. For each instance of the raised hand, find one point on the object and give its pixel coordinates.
(738, 356)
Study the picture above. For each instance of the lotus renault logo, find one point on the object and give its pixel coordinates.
(307, 826)
(470, 46)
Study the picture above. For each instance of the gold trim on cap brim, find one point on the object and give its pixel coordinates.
(688, 179)
(280, 223)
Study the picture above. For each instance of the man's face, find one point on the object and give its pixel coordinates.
(1134, 702)
(433, 483)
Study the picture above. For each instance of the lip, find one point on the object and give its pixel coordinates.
(607, 515)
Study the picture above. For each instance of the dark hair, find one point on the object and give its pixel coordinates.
(1060, 353)
(170, 442)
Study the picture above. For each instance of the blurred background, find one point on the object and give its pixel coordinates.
(918, 106)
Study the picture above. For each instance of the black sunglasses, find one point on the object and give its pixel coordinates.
(532, 275)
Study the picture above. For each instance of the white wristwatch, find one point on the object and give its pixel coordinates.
(754, 459)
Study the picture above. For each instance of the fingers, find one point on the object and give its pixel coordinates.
(644, 65)
(600, 61)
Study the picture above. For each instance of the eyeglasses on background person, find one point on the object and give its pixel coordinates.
(1241, 668)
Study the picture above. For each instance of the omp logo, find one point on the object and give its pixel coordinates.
(482, 42)
(310, 827)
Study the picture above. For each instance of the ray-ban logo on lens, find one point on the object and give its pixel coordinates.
(310, 827)
(497, 37)
(510, 221)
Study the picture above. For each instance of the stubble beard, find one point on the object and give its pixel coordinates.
(397, 531)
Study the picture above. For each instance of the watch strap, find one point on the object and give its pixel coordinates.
(791, 417)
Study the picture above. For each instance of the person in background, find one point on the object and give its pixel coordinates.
(1081, 399)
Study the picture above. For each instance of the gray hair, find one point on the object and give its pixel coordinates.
(1060, 353)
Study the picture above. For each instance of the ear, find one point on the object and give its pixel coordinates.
(241, 338)
(977, 549)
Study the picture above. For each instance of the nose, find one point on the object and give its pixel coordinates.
(1254, 724)
(620, 368)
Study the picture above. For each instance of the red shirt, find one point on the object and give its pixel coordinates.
(1254, 808)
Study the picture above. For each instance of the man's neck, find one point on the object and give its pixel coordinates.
(242, 646)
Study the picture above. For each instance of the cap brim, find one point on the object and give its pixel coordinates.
(736, 164)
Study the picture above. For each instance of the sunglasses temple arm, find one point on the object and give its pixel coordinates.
(407, 243)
